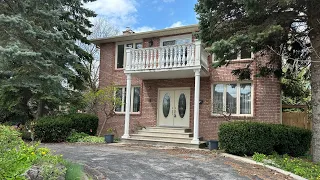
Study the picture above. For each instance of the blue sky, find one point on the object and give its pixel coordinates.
(146, 15)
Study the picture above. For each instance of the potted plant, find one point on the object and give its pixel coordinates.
(109, 136)
(212, 144)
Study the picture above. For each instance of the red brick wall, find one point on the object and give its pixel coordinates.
(266, 95)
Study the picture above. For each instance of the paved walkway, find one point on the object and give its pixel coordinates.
(117, 162)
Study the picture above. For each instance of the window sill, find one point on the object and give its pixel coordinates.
(131, 113)
(119, 69)
(240, 60)
(235, 115)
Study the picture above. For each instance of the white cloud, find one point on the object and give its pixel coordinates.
(121, 13)
(176, 24)
(144, 29)
(168, 1)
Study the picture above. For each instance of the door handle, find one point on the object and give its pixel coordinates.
(174, 112)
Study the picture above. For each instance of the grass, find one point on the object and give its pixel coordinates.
(300, 166)
(74, 171)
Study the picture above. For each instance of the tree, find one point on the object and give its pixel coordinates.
(40, 64)
(104, 99)
(271, 27)
(101, 29)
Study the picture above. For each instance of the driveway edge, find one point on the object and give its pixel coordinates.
(246, 160)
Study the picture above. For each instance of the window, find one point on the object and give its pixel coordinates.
(234, 98)
(244, 53)
(121, 52)
(135, 99)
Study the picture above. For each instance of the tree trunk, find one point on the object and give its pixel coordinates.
(315, 89)
(40, 109)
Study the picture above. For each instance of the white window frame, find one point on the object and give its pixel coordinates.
(170, 38)
(238, 98)
(123, 103)
(125, 43)
(238, 57)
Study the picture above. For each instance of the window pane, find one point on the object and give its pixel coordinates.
(231, 106)
(169, 43)
(130, 45)
(138, 45)
(136, 99)
(233, 55)
(120, 56)
(218, 98)
(245, 53)
(118, 95)
(245, 98)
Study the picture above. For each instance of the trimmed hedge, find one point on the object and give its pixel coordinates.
(246, 138)
(86, 123)
(58, 128)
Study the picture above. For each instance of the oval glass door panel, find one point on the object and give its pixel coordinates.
(166, 105)
(182, 105)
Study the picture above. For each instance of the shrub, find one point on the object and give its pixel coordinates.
(246, 138)
(17, 157)
(75, 136)
(86, 123)
(92, 139)
(58, 128)
(53, 129)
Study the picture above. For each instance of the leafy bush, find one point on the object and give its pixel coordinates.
(246, 138)
(17, 157)
(58, 128)
(53, 129)
(75, 136)
(259, 157)
(74, 171)
(92, 139)
(86, 123)
(298, 166)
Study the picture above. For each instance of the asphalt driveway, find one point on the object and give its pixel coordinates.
(117, 162)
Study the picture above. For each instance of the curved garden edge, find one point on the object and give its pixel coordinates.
(246, 160)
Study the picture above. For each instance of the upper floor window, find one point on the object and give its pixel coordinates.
(121, 52)
(242, 54)
(176, 40)
(232, 98)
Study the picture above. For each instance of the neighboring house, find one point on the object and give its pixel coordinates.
(166, 79)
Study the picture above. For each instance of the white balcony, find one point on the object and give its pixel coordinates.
(167, 62)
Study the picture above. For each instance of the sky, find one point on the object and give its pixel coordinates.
(145, 15)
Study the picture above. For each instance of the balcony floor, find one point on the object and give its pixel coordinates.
(174, 73)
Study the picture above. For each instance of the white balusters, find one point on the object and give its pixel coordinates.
(162, 57)
(166, 65)
(143, 65)
(154, 58)
(147, 59)
(176, 56)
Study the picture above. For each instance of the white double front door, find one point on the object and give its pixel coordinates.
(174, 107)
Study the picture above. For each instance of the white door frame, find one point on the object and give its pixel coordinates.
(173, 89)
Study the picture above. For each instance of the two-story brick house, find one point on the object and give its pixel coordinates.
(166, 81)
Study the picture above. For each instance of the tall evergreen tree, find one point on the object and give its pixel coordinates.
(40, 64)
(289, 28)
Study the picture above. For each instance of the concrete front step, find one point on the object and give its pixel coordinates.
(163, 139)
(164, 134)
(163, 143)
(167, 130)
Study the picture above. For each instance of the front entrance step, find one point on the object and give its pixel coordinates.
(167, 130)
(164, 143)
(169, 136)
(164, 134)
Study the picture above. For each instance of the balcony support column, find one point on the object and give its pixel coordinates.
(127, 114)
(128, 60)
(197, 52)
(195, 139)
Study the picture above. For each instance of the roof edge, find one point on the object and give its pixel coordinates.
(147, 34)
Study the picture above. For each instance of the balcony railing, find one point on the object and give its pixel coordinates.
(166, 57)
